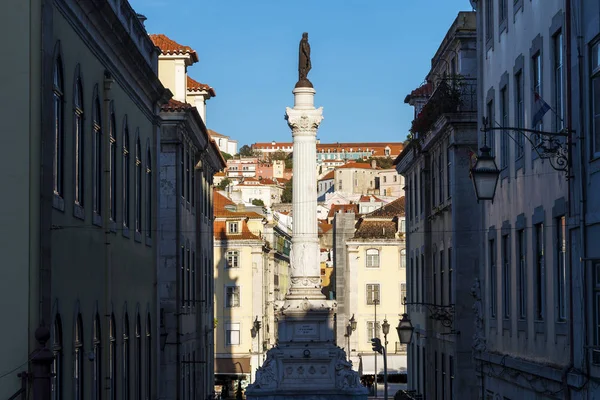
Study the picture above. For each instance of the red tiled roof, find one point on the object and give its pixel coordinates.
(220, 201)
(324, 227)
(424, 90)
(169, 46)
(175, 105)
(367, 229)
(367, 198)
(329, 175)
(193, 85)
(356, 165)
(390, 210)
(344, 208)
(221, 233)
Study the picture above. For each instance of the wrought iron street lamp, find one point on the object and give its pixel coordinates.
(405, 329)
(547, 145)
(385, 328)
(353, 323)
(485, 175)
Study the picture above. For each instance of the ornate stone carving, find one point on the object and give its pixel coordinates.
(478, 344)
(301, 121)
(266, 376)
(346, 378)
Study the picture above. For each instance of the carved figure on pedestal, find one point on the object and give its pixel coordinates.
(304, 65)
(346, 377)
(266, 376)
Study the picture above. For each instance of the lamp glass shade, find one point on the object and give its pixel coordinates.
(485, 175)
(385, 327)
(405, 329)
(353, 323)
(253, 332)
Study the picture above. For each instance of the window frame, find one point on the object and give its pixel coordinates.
(232, 293)
(559, 80)
(79, 144)
(493, 278)
(229, 330)
(126, 177)
(372, 294)
(235, 255)
(148, 191)
(521, 241)
(595, 99)
(58, 93)
(57, 362)
(372, 258)
(504, 138)
(506, 276)
(230, 227)
(539, 273)
(138, 185)
(519, 114)
(113, 146)
(561, 269)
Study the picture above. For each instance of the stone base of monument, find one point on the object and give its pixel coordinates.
(306, 364)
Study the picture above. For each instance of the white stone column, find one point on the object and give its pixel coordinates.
(304, 120)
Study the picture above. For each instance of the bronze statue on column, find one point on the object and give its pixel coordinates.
(304, 64)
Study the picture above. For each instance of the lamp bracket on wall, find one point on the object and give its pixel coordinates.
(444, 314)
(547, 145)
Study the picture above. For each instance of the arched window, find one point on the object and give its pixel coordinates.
(148, 192)
(97, 362)
(112, 355)
(149, 366)
(97, 155)
(113, 162)
(138, 357)
(57, 366)
(78, 360)
(192, 179)
(126, 174)
(138, 185)
(58, 101)
(78, 139)
(125, 367)
(372, 258)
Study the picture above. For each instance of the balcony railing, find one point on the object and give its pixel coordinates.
(451, 95)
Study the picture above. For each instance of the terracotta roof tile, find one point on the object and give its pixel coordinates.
(344, 208)
(329, 175)
(357, 165)
(376, 230)
(390, 210)
(424, 90)
(175, 105)
(221, 233)
(169, 46)
(193, 86)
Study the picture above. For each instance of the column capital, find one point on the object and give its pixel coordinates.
(304, 122)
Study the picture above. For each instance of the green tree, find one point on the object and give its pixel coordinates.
(279, 155)
(245, 151)
(286, 196)
(226, 156)
(258, 202)
(224, 183)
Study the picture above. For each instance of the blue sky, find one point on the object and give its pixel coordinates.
(367, 55)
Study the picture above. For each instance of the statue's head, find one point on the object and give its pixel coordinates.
(305, 35)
